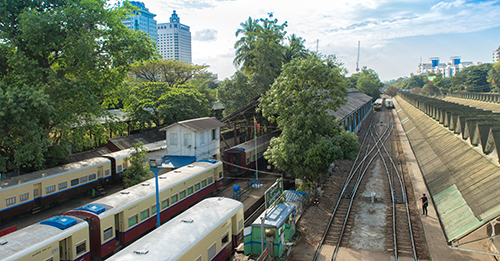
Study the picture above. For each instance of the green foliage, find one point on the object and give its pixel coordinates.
(368, 82)
(71, 54)
(416, 90)
(139, 169)
(167, 91)
(298, 101)
(494, 77)
(415, 81)
(473, 78)
(430, 90)
(391, 91)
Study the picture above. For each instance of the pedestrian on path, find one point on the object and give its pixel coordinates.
(425, 203)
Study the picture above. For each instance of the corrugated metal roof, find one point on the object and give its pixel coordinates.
(355, 100)
(197, 124)
(461, 180)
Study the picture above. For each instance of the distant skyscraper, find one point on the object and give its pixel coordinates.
(174, 40)
(143, 21)
(496, 55)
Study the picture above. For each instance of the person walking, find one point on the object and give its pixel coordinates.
(425, 203)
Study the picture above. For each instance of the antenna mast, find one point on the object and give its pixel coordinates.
(357, 61)
(317, 43)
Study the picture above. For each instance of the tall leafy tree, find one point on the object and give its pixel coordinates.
(494, 77)
(72, 54)
(473, 78)
(295, 49)
(298, 101)
(369, 83)
(430, 90)
(391, 91)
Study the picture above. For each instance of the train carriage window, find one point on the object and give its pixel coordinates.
(81, 248)
(164, 204)
(144, 214)
(182, 194)
(74, 182)
(225, 239)
(49, 259)
(132, 220)
(248, 160)
(198, 259)
(240, 224)
(197, 187)
(99, 173)
(211, 252)
(220, 175)
(50, 189)
(83, 179)
(190, 190)
(203, 183)
(24, 197)
(119, 168)
(173, 199)
(92, 176)
(63, 185)
(10, 201)
(108, 233)
(106, 172)
(35, 192)
(210, 180)
(153, 210)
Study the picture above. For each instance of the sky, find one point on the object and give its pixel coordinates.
(394, 35)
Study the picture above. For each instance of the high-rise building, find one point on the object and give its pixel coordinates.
(174, 40)
(446, 69)
(496, 55)
(143, 21)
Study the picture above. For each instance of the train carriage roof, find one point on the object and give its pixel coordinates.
(27, 240)
(7, 183)
(276, 216)
(249, 145)
(130, 196)
(178, 236)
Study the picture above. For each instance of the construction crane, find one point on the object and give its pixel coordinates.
(357, 61)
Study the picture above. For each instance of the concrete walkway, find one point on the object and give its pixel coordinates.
(436, 241)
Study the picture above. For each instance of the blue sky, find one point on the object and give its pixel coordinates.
(394, 35)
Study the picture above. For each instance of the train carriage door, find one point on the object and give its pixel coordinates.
(234, 158)
(118, 238)
(37, 194)
(65, 249)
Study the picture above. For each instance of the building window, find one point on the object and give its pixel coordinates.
(10, 201)
(172, 139)
(144, 214)
(62, 185)
(50, 189)
(132, 221)
(74, 182)
(81, 248)
(213, 134)
(24, 197)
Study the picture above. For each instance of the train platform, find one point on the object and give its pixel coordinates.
(436, 241)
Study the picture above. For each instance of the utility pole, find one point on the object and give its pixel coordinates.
(357, 61)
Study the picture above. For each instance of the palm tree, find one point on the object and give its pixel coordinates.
(245, 44)
(295, 48)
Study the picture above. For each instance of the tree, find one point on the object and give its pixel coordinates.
(474, 78)
(494, 77)
(298, 101)
(391, 91)
(72, 54)
(139, 169)
(415, 81)
(238, 91)
(369, 83)
(295, 49)
(430, 90)
(416, 90)
(171, 72)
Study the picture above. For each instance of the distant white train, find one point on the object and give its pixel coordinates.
(389, 104)
(377, 105)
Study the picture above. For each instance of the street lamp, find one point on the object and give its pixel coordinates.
(155, 168)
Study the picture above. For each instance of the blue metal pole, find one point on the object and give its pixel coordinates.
(157, 199)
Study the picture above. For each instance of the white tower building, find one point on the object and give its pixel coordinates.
(174, 40)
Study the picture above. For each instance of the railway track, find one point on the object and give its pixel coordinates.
(379, 153)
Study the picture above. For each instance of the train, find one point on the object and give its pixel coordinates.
(242, 157)
(210, 230)
(35, 191)
(389, 103)
(377, 105)
(97, 230)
